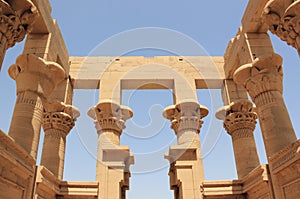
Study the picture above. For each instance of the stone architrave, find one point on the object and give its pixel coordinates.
(186, 168)
(16, 20)
(35, 79)
(283, 19)
(58, 121)
(113, 160)
(239, 122)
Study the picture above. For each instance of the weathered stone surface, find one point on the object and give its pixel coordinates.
(253, 186)
(283, 20)
(249, 67)
(110, 120)
(239, 122)
(186, 119)
(16, 20)
(186, 169)
(58, 120)
(263, 81)
(113, 160)
(35, 79)
(17, 169)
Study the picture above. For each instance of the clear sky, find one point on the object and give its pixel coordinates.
(211, 24)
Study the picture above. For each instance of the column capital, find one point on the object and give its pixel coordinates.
(264, 75)
(237, 116)
(16, 18)
(59, 116)
(283, 20)
(109, 115)
(186, 115)
(34, 74)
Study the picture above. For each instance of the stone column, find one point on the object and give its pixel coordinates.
(35, 79)
(263, 81)
(16, 19)
(58, 121)
(114, 160)
(186, 168)
(239, 122)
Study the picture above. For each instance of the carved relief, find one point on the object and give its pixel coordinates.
(59, 116)
(262, 79)
(186, 116)
(240, 121)
(34, 74)
(109, 119)
(238, 116)
(283, 20)
(23, 98)
(110, 116)
(186, 121)
(16, 20)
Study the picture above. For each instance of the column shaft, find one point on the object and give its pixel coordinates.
(58, 121)
(239, 122)
(186, 168)
(275, 122)
(35, 80)
(245, 152)
(53, 154)
(263, 81)
(113, 160)
(26, 121)
(3, 47)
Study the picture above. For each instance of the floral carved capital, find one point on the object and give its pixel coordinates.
(283, 19)
(16, 20)
(59, 116)
(238, 117)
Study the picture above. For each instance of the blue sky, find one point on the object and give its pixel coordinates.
(86, 24)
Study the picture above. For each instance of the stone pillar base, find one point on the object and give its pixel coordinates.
(113, 171)
(185, 175)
